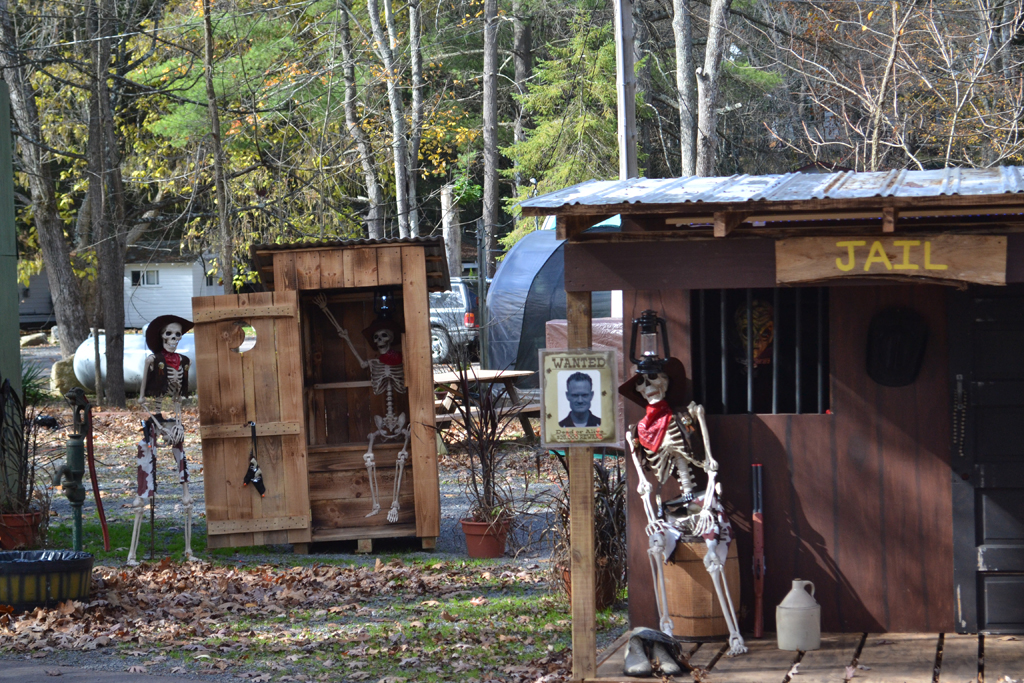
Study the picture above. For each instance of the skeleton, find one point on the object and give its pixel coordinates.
(694, 513)
(385, 378)
(173, 368)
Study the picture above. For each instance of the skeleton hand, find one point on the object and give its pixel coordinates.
(657, 526)
(173, 432)
(705, 522)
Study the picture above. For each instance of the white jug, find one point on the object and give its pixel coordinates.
(798, 619)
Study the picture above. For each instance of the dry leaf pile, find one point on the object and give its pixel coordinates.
(224, 617)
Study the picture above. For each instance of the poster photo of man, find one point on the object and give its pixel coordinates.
(578, 397)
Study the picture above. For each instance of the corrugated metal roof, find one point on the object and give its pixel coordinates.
(789, 187)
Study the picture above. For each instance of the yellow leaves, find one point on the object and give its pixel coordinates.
(871, 14)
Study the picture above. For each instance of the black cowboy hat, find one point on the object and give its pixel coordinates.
(156, 327)
(679, 386)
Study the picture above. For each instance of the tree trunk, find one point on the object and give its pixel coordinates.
(451, 230)
(227, 269)
(416, 67)
(522, 55)
(385, 50)
(707, 87)
(490, 123)
(686, 85)
(67, 297)
(375, 213)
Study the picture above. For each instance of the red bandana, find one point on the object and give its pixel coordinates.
(651, 429)
(172, 360)
(391, 358)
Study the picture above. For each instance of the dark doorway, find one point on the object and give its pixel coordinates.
(987, 366)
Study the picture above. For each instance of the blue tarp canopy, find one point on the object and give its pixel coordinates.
(527, 291)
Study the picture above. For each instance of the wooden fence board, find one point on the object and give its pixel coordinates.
(285, 277)
(349, 268)
(764, 662)
(243, 431)
(332, 268)
(257, 525)
(1004, 657)
(243, 312)
(307, 269)
(420, 378)
(899, 657)
(364, 267)
(339, 514)
(354, 484)
(389, 266)
(959, 658)
(828, 664)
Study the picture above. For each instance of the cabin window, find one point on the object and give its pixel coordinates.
(145, 277)
(209, 281)
(789, 353)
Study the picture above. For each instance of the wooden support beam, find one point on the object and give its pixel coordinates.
(889, 215)
(727, 221)
(581, 515)
(567, 227)
(364, 545)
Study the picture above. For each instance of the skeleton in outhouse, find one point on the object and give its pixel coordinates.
(164, 385)
(387, 376)
(670, 443)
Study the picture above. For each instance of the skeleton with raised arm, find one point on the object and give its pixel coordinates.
(164, 385)
(672, 443)
(387, 376)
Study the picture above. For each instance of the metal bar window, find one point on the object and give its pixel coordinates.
(756, 350)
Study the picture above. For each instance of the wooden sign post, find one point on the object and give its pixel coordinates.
(964, 258)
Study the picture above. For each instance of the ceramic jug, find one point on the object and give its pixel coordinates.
(798, 619)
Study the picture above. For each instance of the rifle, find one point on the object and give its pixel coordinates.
(758, 529)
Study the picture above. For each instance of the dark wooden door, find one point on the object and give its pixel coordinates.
(987, 364)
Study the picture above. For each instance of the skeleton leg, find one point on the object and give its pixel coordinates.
(145, 474)
(656, 553)
(403, 455)
(178, 449)
(714, 561)
(371, 472)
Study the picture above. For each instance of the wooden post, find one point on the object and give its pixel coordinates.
(625, 87)
(581, 516)
(451, 230)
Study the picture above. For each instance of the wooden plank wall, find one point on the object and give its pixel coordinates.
(859, 502)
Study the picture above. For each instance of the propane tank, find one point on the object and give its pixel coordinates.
(798, 619)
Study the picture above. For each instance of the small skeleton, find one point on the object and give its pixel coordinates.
(663, 444)
(165, 377)
(387, 375)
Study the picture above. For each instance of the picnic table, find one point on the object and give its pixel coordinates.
(450, 382)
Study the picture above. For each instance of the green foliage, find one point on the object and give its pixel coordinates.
(35, 385)
(751, 76)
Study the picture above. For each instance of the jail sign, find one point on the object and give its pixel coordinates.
(965, 258)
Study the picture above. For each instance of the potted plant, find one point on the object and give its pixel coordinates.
(609, 533)
(23, 505)
(485, 411)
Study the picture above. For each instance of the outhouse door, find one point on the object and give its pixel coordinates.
(987, 364)
(249, 366)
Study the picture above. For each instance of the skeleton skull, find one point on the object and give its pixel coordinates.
(382, 340)
(171, 336)
(652, 388)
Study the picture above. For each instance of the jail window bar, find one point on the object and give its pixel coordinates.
(777, 331)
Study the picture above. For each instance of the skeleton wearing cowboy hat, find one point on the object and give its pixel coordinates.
(165, 381)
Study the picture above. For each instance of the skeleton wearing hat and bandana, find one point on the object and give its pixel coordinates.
(165, 382)
(387, 376)
(665, 444)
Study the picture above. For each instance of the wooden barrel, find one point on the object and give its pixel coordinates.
(692, 601)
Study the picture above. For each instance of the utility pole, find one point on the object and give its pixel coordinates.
(625, 87)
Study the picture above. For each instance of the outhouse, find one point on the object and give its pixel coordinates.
(881, 316)
(314, 397)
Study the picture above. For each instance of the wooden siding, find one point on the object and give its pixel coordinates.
(859, 501)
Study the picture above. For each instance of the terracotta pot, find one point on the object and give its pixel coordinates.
(484, 540)
(604, 586)
(20, 530)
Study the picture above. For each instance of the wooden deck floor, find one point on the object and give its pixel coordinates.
(874, 658)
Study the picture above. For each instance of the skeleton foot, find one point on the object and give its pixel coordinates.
(140, 507)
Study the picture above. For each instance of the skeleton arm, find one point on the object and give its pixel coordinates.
(321, 301)
(710, 466)
(644, 489)
(145, 374)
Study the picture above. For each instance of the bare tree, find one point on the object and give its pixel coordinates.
(708, 82)
(226, 242)
(490, 125)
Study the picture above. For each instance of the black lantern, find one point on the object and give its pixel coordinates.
(384, 304)
(650, 361)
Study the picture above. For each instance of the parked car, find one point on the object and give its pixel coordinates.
(453, 319)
